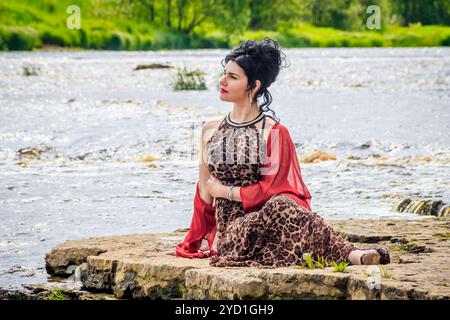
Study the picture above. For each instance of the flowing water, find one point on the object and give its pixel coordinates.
(73, 137)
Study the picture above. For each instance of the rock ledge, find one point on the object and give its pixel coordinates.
(138, 267)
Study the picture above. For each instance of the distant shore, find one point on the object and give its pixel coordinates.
(306, 36)
(161, 25)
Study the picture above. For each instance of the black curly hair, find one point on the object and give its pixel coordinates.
(260, 61)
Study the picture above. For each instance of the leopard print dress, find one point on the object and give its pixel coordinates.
(280, 232)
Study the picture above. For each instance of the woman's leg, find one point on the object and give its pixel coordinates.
(305, 231)
(279, 234)
(368, 256)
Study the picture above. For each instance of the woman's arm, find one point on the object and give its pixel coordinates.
(218, 190)
(208, 129)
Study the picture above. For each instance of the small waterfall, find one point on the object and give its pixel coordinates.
(437, 208)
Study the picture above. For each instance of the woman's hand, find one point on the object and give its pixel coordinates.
(215, 188)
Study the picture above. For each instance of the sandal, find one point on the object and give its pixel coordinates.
(384, 254)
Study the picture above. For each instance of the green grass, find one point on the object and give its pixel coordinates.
(30, 70)
(341, 267)
(385, 273)
(29, 24)
(57, 294)
(19, 38)
(309, 261)
(409, 246)
(442, 236)
(392, 36)
(189, 80)
(321, 263)
(406, 246)
(398, 248)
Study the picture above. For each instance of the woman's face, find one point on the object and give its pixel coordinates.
(233, 83)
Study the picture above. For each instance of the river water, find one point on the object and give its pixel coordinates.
(93, 119)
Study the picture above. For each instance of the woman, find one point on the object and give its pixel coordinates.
(251, 207)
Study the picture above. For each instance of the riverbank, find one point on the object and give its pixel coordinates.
(138, 267)
(37, 36)
(31, 25)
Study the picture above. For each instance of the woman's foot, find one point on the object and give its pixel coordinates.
(384, 254)
(364, 257)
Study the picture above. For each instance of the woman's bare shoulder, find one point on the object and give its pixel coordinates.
(270, 122)
(209, 127)
(211, 124)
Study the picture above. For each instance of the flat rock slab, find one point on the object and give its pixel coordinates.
(137, 266)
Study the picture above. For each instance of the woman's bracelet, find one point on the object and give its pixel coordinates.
(230, 193)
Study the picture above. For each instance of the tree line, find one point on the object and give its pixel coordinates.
(237, 15)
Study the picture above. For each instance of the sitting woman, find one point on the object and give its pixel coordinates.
(251, 207)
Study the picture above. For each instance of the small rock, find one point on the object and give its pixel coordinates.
(152, 66)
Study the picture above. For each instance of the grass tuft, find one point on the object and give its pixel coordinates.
(189, 80)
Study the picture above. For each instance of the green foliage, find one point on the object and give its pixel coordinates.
(384, 272)
(30, 70)
(56, 295)
(276, 14)
(398, 248)
(341, 267)
(345, 14)
(190, 80)
(351, 14)
(253, 35)
(308, 260)
(230, 16)
(443, 236)
(426, 12)
(19, 38)
(409, 246)
(322, 263)
(117, 40)
(150, 25)
(169, 40)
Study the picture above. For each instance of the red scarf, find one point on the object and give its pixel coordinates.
(280, 174)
